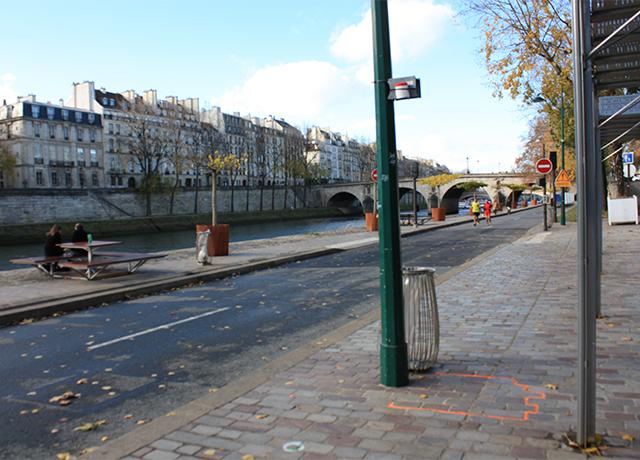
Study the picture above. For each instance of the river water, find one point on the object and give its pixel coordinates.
(166, 241)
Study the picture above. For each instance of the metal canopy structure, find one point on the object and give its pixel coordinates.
(606, 56)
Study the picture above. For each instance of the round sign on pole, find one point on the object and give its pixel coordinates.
(544, 166)
(374, 175)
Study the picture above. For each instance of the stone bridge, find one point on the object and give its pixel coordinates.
(358, 196)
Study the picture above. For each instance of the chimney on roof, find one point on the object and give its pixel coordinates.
(150, 97)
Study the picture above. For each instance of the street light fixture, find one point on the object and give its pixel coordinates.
(538, 99)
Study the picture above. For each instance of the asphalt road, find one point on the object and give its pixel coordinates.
(144, 357)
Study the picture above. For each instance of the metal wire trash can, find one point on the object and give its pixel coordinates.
(421, 323)
(202, 239)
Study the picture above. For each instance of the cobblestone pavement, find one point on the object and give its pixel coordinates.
(504, 386)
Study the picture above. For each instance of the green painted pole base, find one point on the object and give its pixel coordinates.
(394, 368)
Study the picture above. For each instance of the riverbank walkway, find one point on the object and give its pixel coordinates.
(504, 386)
(26, 293)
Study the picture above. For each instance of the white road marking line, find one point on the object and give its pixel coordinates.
(148, 331)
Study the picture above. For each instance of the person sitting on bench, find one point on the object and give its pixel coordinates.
(53, 239)
(79, 234)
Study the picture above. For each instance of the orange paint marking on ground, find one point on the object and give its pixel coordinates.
(534, 407)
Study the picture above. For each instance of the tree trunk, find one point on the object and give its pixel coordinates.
(273, 194)
(214, 217)
(286, 189)
(247, 195)
(605, 186)
(195, 202)
(173, 197)
(304, 195)
(618, 174)
(261, 193)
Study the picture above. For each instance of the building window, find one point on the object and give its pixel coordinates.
(67, 179)
(78, 117)
(54, 178)
(37, 154)
(35, 111)
(80, 157)
(65, 114)
(79, 134)
(50, 113)
(118, 130)
(113, 102)
(91, 117)
(39, 178)
(36, 129)
(52, 131)
(120, 180)
(130, 166)
(93, 153)
(92, 135)
(81, 181)
(110, 128)
(94, 180)
(105, 101)
(65, 132)
(110, 145)
(67, 155)
(113, 181)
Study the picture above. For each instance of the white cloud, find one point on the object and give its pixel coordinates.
(414, 26)
(6, 87)
(297, 91)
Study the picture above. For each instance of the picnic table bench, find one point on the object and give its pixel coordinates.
(91, 266)
(407, 218)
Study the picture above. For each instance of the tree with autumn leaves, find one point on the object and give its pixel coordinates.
(527, 51)
(218, 162)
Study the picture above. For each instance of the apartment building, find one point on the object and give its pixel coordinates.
(142, 134)
(336, 155)
(55, 146)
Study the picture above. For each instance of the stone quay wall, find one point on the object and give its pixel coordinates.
(19, 207)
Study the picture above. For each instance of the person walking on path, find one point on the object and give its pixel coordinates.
(475, 210)
(487, 212)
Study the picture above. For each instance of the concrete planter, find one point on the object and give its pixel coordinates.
(218, 241)
(371, 221)
(438, 214)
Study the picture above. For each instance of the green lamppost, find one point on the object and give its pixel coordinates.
(393, 347)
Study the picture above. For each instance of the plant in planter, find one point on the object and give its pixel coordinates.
(515, 188)
(438, 213)
(218, 162)
(534, 188)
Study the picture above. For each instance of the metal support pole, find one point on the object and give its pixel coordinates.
(544, 205)
(553, 194)
(563, 215)
(599, 207)
(415, 202)
(584, 126)
(393, 347)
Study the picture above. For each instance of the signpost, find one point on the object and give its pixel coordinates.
(374, 175)
(544, 166)
(627, 158)
(563, 180)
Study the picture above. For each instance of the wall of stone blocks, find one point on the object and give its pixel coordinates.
(33, 206)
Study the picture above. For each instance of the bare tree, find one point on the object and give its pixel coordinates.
(148, 148)
(365, 157)
(177, 157)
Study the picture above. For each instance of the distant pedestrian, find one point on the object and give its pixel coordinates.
(487, 212)
(475, 210)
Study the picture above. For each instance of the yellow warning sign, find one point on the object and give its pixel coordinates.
(562, 179)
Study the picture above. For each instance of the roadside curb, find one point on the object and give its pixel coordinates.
(44, 308)
(148, 433)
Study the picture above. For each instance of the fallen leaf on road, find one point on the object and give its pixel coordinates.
(128, 417)
(65, 398)
(32, 393)
(26, 321)
(108, 369)
(35, 411)
(261, 416)
(628, 437)
(424, 396)
(104, 438)
(551, 386)
(82, 382)
(171, 414)
(141, 422)
(208, 453)
(106, 388)
(64, 456)
(112, 393)
(162, 386)
(171, 373)
(212, 390)
(54, 431)
(86, 427)
(627, 339)
(248, 457)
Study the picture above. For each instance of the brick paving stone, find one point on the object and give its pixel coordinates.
(349, 452)
(165, 444)
(160, 455)
(142, 452)
(376, 445)
(188, 449)
(206, 430)
(317, 448)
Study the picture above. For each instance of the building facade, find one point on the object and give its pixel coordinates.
(55, 146)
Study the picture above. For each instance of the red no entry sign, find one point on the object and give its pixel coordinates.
(544, 166)
(374, 175)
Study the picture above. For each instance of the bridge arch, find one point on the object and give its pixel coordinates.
(347, 203)
(405, 197)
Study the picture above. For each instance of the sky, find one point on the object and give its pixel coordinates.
(309, 62)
